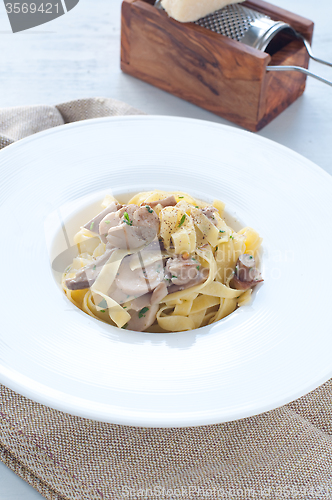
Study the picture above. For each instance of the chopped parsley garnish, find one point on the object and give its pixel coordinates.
(231, 237)
(127, 220)
(91, 225)
(173, 276)
(197, 267)
(102, 310)
(216, 249)
(250, 257)
(181, 196)
(94, 268)
(149, 209)
(143, 312)
(220, 231)
(124, 326)
(183, 218)
(107, 221)
(196, 206)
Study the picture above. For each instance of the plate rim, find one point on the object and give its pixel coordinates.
(128, 420)
(234, 129)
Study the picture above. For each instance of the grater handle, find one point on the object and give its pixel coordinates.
(298, 68)
(309, 50)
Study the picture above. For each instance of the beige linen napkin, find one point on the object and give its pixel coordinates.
(285, 453)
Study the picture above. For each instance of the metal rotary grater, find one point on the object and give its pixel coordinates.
(256, 30)
(244, 25)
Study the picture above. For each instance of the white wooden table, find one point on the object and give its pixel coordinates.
(78, 55)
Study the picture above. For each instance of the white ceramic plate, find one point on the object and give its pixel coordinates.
(260, 357)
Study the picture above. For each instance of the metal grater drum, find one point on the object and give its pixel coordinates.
(245, 25)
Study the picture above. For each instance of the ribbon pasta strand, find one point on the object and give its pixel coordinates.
(188, 230)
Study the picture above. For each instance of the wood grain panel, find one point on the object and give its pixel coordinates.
(125, 30)
(281, 89)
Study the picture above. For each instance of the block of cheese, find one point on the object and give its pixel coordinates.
(187, 11)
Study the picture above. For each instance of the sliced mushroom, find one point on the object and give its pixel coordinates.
(170, 201)
(137, 227)
(141, 302)
(147, 222)
(159, 293)
(141, 320)
(181, 271)
(149, 298)
(246, 274)
(209, 212)
(110, 220)
(124, 236)
(118, 295)
(129, 227)
(140, 281)
(129, 210)
(86, 276)
(200, 278)
(93, 224)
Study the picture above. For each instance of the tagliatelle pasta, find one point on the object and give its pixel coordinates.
(163, 262)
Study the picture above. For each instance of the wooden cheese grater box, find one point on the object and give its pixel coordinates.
(210, 70)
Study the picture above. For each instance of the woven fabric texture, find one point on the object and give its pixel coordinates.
(285, 453)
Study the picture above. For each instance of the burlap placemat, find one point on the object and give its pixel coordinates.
(285, 453)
